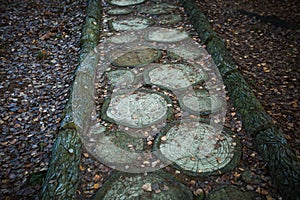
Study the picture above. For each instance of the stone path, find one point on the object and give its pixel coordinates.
(160, 105)
(163, 104)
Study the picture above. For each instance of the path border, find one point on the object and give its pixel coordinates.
(63, 175)
(283, 164)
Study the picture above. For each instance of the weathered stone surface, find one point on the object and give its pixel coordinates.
(187, 51)
(124, 38)
(137, 57)
(169, 19)
(136, 110)
(198, 149)
(233, 193)
(118, 148)
(159, 186)
(174, 76)
(158, 9)
(199, 102)
(129, 24)
(120, 77)
(125, 2)
(166, 35)
(119, 11)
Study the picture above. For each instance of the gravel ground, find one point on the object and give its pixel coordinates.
(39, 48)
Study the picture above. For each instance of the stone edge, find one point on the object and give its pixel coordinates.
(63, 175)
(282, 161)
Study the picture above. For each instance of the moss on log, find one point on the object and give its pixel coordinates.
(63, 174)
(283, 164)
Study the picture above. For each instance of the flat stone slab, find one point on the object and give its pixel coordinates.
(121, 39)
(118, 149)
(169, 19)
(233, 193)
(158, 9)
(200, 102)
(174, 76)
(187, 51)
(129, 24)
(119, 11)
(120, 77)
(158, 186)
(137, 57)
(166, 35)
(125, 2)
(137, 110)
(197, 149)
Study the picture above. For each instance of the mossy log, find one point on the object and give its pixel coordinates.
(283, 164)
(63, 174)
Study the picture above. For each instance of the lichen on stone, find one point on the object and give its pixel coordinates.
(129, 24)
(174, 76)
(166, 35)
(198, 149)
(137, 110)
(125, 2)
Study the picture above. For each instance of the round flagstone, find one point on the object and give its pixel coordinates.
(174, 76)
(197, 149)
(124, 38)
(158, 9)
(233, 193)
(118, 148)
(138, 109)
(200, 102)
(119, 11)
(166, 35)
(158, 186)
(129, 24)
(186, 51)
(137, 57)
(125, 2)
(169, 19)
(120, 77)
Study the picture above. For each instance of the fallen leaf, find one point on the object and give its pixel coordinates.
(147, 187)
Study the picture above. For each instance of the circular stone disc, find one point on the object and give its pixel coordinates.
(157, 186)
(125, 2)
(158, 9)
(130, 24)
(174, 76)
(199, 103)
(118, 148)
(166, 35)
(186, 51)
(169, 19)
(121, 39)
(137, 57)
(120, 77)
(137, 110)
(119, 11)
(231, 192)
(197, 149)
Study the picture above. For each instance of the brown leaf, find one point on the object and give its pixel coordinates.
(46, 36)
(96, 186)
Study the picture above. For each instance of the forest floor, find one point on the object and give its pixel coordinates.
(39, 48)
(263, 38)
